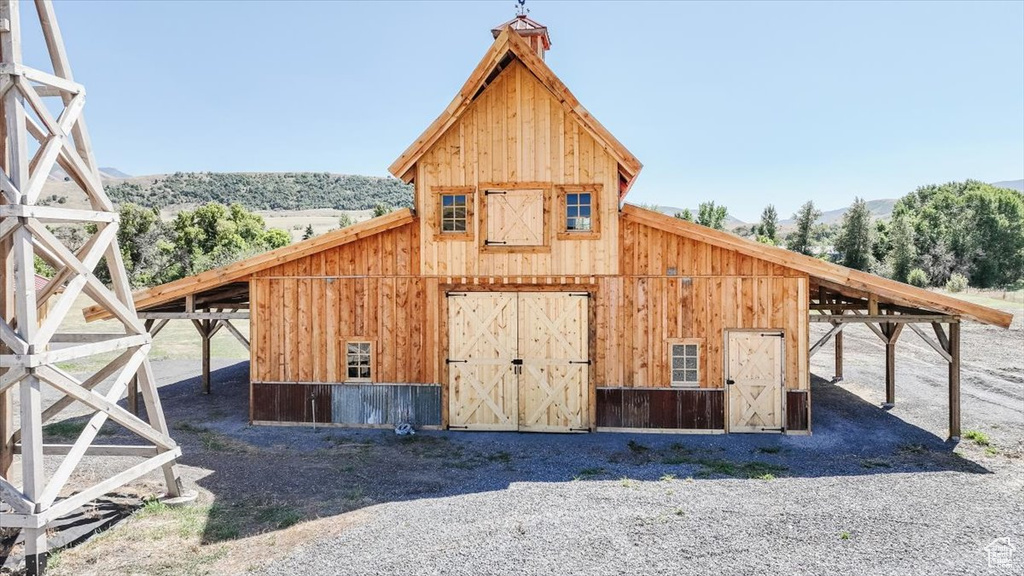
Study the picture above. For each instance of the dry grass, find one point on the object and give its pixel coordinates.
(203, 539)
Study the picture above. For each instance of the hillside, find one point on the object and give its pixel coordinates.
(262, 190)
(1017, 185)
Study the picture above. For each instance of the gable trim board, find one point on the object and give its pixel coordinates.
(508, 45)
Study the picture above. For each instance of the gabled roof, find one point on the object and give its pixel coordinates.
(833, 274)
(242, 269)
(509, 45)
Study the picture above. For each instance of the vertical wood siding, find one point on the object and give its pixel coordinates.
(516, 131)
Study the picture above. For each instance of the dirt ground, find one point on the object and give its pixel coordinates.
(296, 500)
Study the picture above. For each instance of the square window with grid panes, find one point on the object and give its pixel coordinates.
(453, 213)
(578, 212)
(685, 364)
(358, 360)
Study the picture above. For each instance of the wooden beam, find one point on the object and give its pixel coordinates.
(954, 381)
(206, 334)
(836, 329)
(838, 376)
(238, 335)
(860, 318)
(935, 345)
(98, 450)
(194, 315)
(893, 333)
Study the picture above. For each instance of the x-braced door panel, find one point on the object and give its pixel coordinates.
(553, 349)
(518, 361)
(481, 377)
(754, 379)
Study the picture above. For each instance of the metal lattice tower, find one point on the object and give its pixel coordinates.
(33, 140)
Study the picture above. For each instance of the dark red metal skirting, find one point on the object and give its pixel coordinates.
(796, 410)
(665, 408)
(291, 402)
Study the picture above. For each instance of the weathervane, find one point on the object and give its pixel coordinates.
(521, 9)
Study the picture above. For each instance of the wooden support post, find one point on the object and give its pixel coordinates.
(892, 332)
(838, 376)
(207, 336)
(6, 397)
(954, 381)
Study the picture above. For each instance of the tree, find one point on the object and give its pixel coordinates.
(968, 227)
(711, 215)
(806, 217)
(344, 221)
(902, 256)
(309, 233)
(686, 214)
(854, 242)
(768, 227)
(380, 210)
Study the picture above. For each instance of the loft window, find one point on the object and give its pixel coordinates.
(578, 212)
(685, 362)
(453, 214)
(358, 361)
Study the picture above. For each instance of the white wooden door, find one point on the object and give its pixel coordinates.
(554, 373)
(515, 217)
(482, 384)
(754, 380)
(518, 361)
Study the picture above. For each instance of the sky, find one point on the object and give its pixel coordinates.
(742, 103)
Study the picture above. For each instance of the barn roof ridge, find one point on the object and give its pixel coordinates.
(833, 274)
(508, 44)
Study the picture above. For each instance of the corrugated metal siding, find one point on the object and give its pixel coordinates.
(660, 408)
(387, 404)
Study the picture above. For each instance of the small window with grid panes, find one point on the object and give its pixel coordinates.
(358, 361)
(578, 212)
(453, 213)
(685, 364)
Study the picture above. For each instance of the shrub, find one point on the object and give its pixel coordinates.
(957, 282)
(917, 277)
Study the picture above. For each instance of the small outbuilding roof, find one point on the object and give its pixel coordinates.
(508, 45)
(241, 270)
(837, 278)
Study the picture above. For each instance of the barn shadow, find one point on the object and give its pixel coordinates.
(263, 478)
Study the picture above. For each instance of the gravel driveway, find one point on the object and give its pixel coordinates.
(873, 491)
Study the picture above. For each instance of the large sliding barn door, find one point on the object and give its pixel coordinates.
(755, 381)
(553, 349)
(518, 361)
(482, 387)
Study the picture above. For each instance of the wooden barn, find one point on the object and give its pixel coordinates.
(521, 293)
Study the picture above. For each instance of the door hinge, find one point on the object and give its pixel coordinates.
(458, 427)
(587, 362)
(494, 242)
(579, 429)
(452, 294)
(489, 192)
(581, 294)
(517, 361)
(450, 361)
(730, 381)
(783, 429)
(776, 334)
